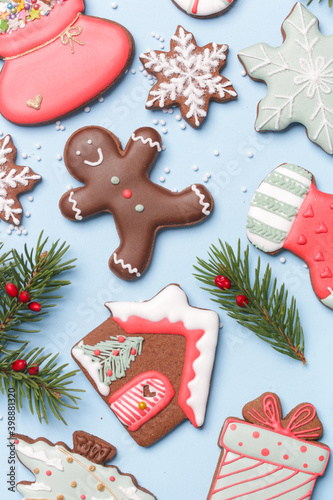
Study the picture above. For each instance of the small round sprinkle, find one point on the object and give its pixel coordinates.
(92, 468)
(195, 168)
(153, 34)
(244, 189)
(157, 36)
(18, 232)
(11, 227)
(8, 231)
(78, 153)
(250, 154)
(38, 146)
(155, 122)
(205, 179)
(282, 260)
(24, 232)
(175, 190)
(163, 148)
(208, 175)
(100, 487)
(62, 127)
(216, 152)
(83, 497)
(133, 71)
(101, 99)
(59, 157)
(161, 39)
(141, 68)
(182, 126)
(73, 484)
(139, 208)
(1, 417)
(27, 214)
(170, 111)
(24, 155)
(114, 6)
(150, 77)
(87, 109)
(30, 198)
(36, 471)
(306, 266)
(162, 179)
(162, 46)
(115, 180)
(38, 158)
(21, 228)
(178, 117)
(164, 130)
(60, 497)
(69, 460)
(145, 73)
(48, 473)
(57, 127)
(112, 478)
(162, 122)
(243, 72)
(167, 170)
(58, 122)
(151, 82)
(1, 133)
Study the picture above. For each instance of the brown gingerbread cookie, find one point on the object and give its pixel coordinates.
(188, 76)
(117, 181)
(62, 473)
(14, 180)
(152, 362)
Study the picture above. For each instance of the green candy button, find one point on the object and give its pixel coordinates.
(115, 180)
(139, 208)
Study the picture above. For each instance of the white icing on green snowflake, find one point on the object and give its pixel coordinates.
(299, 76)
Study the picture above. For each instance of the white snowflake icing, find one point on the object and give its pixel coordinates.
(299, 75)
(190, 75)
(11, 179)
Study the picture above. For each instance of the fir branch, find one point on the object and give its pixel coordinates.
(36, 272)
(330, 2)
(268, 314)
(49, 384)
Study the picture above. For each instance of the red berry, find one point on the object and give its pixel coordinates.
(34, 306)
(222, 282)
(33, 370)
(242, 300)
(24, 297)
(12, 289)
(19, 365)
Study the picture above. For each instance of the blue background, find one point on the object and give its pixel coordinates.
(182, 464)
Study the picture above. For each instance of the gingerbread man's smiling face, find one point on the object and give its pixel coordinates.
(86, 156)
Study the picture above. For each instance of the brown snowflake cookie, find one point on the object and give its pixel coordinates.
(152, 362)
(188, 76)
(117, 181)
(14, 180)
(62, 473)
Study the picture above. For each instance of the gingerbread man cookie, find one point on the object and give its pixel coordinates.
(203, 8)
(117, 181)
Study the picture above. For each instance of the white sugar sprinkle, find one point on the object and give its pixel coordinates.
(250, 154)
(58, 122)
(162, 122)
(59, 157)
(27, 214)
(162, 46)
(167, 170)
(282, 260)
(155, 122)
(178, 117)
(62, 127)
(24, 232)
(170, 111)
(69, 187)
(195, 168)
(208, 175)
(87, 109)
(30, 198)
(164, 130)
(243, 72)
(11, 227)
(145, 73)
(38, 146)
(162, 179)
(244, 189)
(216, 152)
(141, 68)
(114, 5)
(24, 155)
(133, 71)
(182, 126)
(8, 231)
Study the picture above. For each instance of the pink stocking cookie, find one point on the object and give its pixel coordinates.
(289, 212)
(57, 59)
(266, 456)
(117, 181)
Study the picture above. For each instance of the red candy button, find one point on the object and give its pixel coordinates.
(127, 193)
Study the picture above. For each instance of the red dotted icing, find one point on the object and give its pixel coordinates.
(305, 466)
(322, 228)
(121, 339)
(279, 443)
(301, 240)
(308, 214)
(48, 473)
(16, 441)
(327, 273)
(318, 257)
(83, 497)
(286, 457)
(116, 352)
(321, 458)
(304, 449)
(97, 352)
(109, 373)
(240, 444)
(265, 452)
(133, 351)
(233, 427)
(112, 478)
(127, 193)
(256, 435)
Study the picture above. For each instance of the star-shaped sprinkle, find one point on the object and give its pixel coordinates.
(34, 14)
(188, 76)
(14, 180)
(299, 76)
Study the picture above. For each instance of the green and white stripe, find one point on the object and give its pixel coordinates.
(275, 205)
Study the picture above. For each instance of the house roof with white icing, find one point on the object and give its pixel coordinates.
(172, 304)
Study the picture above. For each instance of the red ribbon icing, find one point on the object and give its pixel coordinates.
(301, 423)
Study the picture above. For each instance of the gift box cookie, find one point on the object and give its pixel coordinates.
(266, 456)
(152, 362)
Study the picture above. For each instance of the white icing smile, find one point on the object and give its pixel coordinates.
(98, 162)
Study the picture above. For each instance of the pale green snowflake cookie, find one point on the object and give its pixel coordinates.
(299, 76)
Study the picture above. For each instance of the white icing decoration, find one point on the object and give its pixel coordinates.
(11, 180)
(98, 162)
(40, 455)
(92, 367)
(78, 153)
(37, 487)
(299, 75)
(172, 304)
(189, 75)
(130, 493)
(205, 7)
(130, 269)
(77, 211)
(148, 140)
(201, 197)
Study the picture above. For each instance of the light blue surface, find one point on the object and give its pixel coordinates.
(180, 466)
